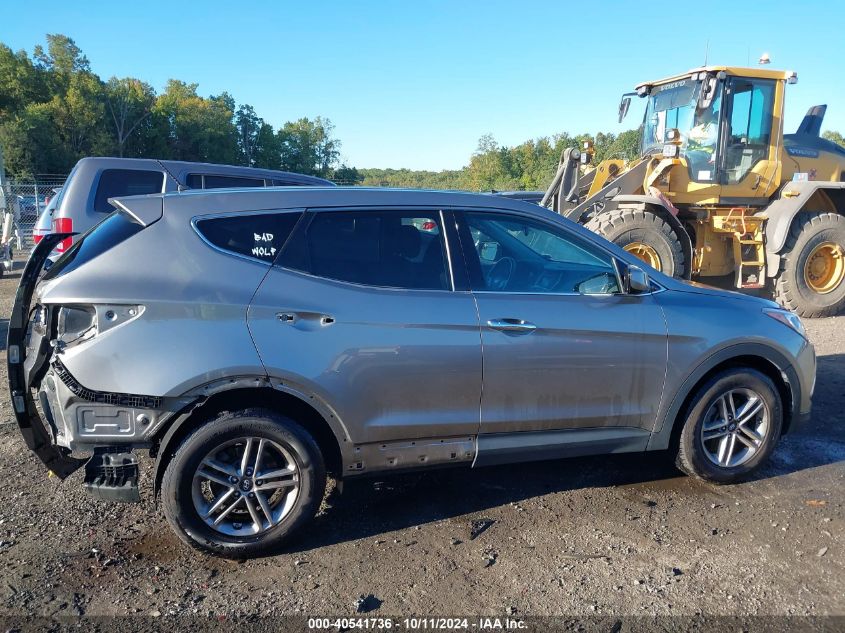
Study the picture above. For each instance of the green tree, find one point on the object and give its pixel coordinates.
(32, 144)
(345, 175)
(248, 125)
(307, 146)
(60, 61)
(130, 104)
(836, 137)
(79, 115)
(197, 128)
(21, 82)
(267, 151)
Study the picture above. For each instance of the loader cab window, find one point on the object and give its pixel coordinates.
(669, 106)
(750, 129)
(702, 141)
(675, 105)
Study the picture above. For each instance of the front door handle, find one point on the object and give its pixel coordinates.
(304, 319)
(512, 325)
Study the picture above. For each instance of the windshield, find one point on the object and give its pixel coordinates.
(669, 106)
(673, 105)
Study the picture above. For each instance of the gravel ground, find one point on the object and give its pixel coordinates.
(617, 535)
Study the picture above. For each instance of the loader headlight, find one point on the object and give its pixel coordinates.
(786, 317)
(75, 323)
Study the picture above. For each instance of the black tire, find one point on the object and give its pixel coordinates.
(809, 230)
(177, 483)
(692, 456)
(624, 226)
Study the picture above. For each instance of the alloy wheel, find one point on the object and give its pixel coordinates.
(735, 427)
(245, 486)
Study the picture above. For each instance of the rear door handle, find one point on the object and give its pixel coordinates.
(512, 325)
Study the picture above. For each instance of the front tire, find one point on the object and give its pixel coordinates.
(732, 426)
(811, 280)
(643, 234)
(242, 484)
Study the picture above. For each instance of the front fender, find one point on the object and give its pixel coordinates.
(668, 416)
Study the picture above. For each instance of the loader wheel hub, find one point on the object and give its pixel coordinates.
(645, 253)
(825, 268)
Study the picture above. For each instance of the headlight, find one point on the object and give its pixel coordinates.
(787, 318)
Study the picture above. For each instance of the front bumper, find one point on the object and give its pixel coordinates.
(802, 380)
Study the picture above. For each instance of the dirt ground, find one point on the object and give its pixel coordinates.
(617, 535)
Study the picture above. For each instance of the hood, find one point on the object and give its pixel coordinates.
(694, 287)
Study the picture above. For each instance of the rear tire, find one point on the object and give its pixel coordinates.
(644, 234)
(811, 280)
(268, 504)
(722, 441)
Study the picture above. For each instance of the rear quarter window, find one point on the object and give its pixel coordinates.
(113, 230)
(115, 183)
(259, 236)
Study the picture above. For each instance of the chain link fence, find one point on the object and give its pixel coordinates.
(25, 200)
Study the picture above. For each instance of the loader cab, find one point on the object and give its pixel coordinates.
(728, 129)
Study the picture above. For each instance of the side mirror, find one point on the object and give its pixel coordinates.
(623, 108)
(707, 92)
(636, 281)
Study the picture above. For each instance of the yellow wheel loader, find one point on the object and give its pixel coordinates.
(720, 190)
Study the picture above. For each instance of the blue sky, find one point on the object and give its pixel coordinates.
(415, 84)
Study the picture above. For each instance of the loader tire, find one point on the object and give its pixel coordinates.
(811, 279)
(643, 234)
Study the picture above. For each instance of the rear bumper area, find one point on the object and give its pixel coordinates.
(83, 419)
(35, 431)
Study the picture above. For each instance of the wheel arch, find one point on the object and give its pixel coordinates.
(767, 361)
(655, 205)
(828, 197)
(330, 437)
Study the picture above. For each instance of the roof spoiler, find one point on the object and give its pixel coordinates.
(812, 123)
(141, 209)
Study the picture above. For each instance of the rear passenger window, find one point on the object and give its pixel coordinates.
(194, 181)
(389, 249)
(223, 182)
(257, 235)
(115, 183)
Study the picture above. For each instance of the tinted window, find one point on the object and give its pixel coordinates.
(194, 181)
(223, 182)
(113, 230)
(258, 235)
(388, 249)
(115, 183)
(516, 254)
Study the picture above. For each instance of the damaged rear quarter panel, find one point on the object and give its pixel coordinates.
(193, 326)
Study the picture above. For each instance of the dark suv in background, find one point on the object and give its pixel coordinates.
(84, 198)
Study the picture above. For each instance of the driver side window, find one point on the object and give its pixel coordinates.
(518, 254)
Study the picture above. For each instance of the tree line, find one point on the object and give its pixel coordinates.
(55, 110)
(528, 166)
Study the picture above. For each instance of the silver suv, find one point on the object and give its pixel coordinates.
(274, 336)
